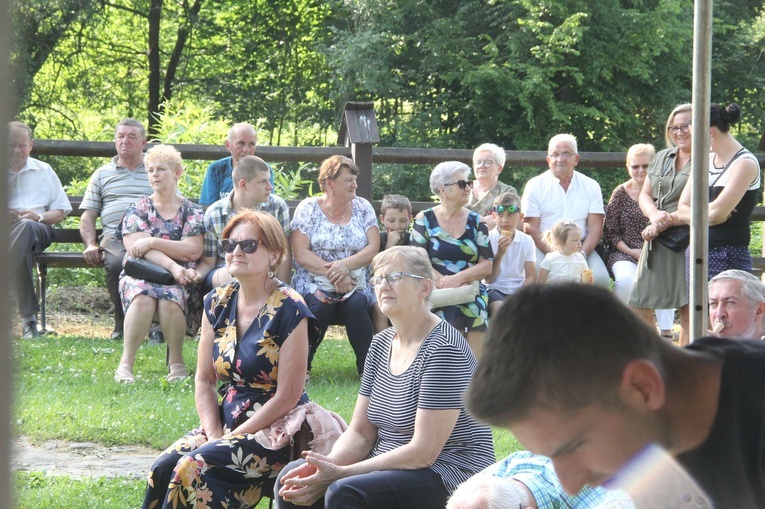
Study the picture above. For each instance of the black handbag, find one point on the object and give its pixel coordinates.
(676, 238)
(140, 268)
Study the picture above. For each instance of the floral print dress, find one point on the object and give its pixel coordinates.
(229, 473)
(451, 255)
(187, 222)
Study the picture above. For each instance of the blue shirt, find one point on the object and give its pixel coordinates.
(218, 182)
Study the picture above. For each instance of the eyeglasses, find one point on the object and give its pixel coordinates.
(486, 163)
(638, 166)
(462, 183)
(564, 155)
(674, 129)
(512, 209)
(248, 246)
(392, 278)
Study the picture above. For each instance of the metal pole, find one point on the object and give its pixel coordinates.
(702, 56)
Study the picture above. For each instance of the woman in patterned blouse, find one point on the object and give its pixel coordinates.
(255, 335)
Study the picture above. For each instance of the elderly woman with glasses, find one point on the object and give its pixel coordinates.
(488, 161)
(410, 441)
(457, 242)
(254, 343)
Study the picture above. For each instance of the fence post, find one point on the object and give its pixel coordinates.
(358, 130)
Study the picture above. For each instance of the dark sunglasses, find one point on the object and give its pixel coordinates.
(638, 166)
(248, 246)
(512, 209)
(462, 183)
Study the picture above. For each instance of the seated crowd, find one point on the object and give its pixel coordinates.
(264, 289)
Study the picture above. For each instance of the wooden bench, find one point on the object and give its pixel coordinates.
(74, 260)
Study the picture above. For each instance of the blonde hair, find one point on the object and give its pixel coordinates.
(683, 108)
(164, 153)
(640, 149)
(557, 236)
(416, 261)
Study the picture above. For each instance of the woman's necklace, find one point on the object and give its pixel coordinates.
(424, 331)
(332, 216)
(451, 225)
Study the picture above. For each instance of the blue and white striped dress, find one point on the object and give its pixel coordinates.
(436, 380)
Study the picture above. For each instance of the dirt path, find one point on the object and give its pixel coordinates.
(82, 460)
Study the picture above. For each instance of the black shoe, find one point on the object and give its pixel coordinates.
(116, 334)
(156, 338)
(29, 330)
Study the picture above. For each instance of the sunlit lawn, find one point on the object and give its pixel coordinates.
(64, 390)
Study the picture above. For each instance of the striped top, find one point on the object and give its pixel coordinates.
(112, 189)
(436, 379)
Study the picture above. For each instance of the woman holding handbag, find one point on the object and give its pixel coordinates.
(660, 279)
(457, 242)
(734, 183)
(166, 230)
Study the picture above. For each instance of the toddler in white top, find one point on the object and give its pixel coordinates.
(565, 263)
(514, 262)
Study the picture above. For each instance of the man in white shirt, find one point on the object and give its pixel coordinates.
(36, 201)
(562, 193)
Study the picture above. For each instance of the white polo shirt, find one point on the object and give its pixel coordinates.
(545, 198)
(512, 271)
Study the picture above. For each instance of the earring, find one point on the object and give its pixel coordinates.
(270, 274)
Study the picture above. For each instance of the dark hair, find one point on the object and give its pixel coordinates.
(724, 118)
(565, 363)
(270, 231)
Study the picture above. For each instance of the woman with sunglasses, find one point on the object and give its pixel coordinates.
(255, 335)
(457, 242)
(334, 237)
(622, 229)
(167, 229)
(660, 279)
(410, 441)
(488, 161)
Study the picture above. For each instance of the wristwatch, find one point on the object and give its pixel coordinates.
(40, 219)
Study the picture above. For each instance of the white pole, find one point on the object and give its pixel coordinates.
(702, 57)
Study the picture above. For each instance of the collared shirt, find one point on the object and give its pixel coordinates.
(485, 205)
(112, 189)
(538, 475)
(512, 271)
(219, 213)
(36, 187)
(546, 199)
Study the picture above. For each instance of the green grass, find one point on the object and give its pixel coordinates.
(64, 390)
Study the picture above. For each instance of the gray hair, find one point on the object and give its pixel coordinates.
(752, 289)
(444, 172)
(241, 125)
(567, 138)
(131, 122)
(21, 126)
(496, 151)
(415, 259)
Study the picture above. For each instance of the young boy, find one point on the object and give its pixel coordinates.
(396, 216)
(514, 252)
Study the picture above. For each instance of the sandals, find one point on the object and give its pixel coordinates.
(124, 374)
(177, 372)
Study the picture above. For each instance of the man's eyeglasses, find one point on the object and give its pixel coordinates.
(674, 129)
(564, 155)
(248, 246)
(392, 278)
(486, 163)
(638, 166)
(462, 183)
(511, 209)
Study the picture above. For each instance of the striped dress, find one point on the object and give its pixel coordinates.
(435, 380)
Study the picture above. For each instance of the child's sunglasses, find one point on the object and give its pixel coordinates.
(512, 209)
(249, 246)
(462, 184)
